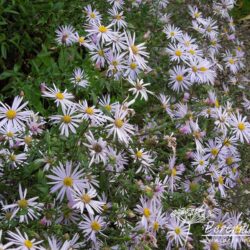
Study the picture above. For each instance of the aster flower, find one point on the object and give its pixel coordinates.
(78, 78)
(83, 199)
(136, 52)
(69, 121)
(94, 115)
(139, 88)
(65, 35)
(240, 127)
(104, 101)
(61, 98)
(178, 232)
(119, 126)
(179, 81)
(117, 18)
(22, 242)
(29, 206)
(64, 179)
(102, 32)
(92, 226)
(13, 114)
(92, 14)
(16, 159)
(97, 148)
(172, 32)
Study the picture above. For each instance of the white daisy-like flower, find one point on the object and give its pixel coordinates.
(139, 88)
(61, 98)
(104, 101)
(92, 14)
(65, 35)
(65, 179)
(102, 32)
(16, 159)
(240, 127)
(144, 158)
(172, 32)
(29, 207)
(179, 80)
(22, 242)
(178, 232)
(78, 78)
(97, 148)
(10, 133)
(13, 114)
(92, 226)
(177, 52)
(83, 199)
(117, 18)
(90, 113)
(69, 121)
(137, 52)
(119, 126)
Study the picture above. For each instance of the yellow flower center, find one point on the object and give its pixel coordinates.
(173, 172)
(217, 104)
(28, 139)
(229, 161)
(178, 52)
(220, 225)
(192, 52)
(12, 157)
(28, 243)
(241, 126)
(22, 203)
(139, 154)
(118, 123)
(231, 61)
(203, 69)
(86, 198)
(95, 225)
(194, 69)
(155, 226)
(11, 114)
(89, 111)
(66, 119)
(134, 49)
(103, 29)
(197, 14)
(177, 230)
(172, 33)
(220, 180)
(214, 246)
(118, 17)
(227, 142)
(68, 181)
(92, 15)
(108, 107)
(81, 39)
(133, 65)
(9, 134)
(59, 96)
(101, 52)
(214, 151)
(237, 229)
(214, 42)
(201, 162)
(115, 63)
(146, 212)
(179, 78)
